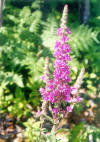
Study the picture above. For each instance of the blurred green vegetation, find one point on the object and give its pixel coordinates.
(28, 35)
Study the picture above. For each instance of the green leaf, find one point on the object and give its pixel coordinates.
(18, 80)
(37, 139)
(26, 12)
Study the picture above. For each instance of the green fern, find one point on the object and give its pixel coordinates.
(49, 32)
(11, 78)
(35, 24)
(82, 38)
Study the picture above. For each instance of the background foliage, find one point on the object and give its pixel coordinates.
(28, 35)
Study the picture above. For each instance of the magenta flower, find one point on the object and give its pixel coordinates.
(38, 113)
(68, 31)
(60, 31)
(55, 110)
(60, 95)
(58, 91)
(78, 99)
(69, 108)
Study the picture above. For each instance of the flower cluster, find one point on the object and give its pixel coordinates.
(58, 91)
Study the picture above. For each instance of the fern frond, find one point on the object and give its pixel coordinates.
(49, 32)
(82, 39)
(35, 25)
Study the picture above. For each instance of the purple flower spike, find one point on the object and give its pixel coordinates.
(57, 89)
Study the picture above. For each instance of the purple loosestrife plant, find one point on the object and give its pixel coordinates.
(58, 91)
(58, 95)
